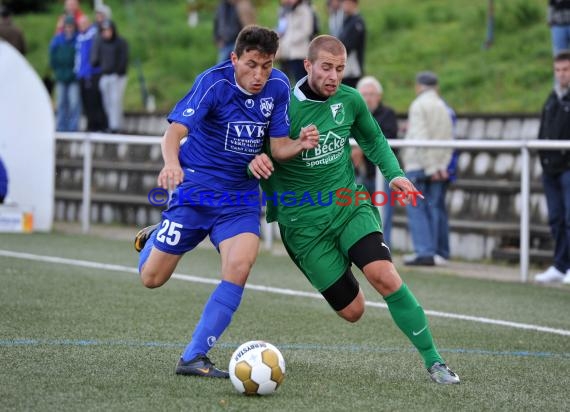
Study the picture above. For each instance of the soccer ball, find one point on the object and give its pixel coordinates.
(257, 368)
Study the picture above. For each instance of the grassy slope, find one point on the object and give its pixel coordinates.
(404, 36)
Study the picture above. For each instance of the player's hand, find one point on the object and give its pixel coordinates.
(170, 176)
(261, 166)
(309, 137)
(403, 185)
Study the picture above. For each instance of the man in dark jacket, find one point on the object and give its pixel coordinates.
(110, 53)
(555, 125)
(231, 16)
(353, 36)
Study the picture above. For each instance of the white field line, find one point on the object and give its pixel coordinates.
(270, 289)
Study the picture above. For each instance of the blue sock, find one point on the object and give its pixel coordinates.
(145, 252)
(216, 317)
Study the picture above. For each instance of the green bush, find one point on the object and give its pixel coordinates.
(527, 13)
(516, 15)
(438, 14)
(399, 18)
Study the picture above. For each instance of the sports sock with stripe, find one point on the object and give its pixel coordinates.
(216, 317)
(411, 319)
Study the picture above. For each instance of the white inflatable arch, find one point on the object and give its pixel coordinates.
(27, 137)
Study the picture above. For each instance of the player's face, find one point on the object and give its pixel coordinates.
(562, 73)
(325, 73)
(252, 70)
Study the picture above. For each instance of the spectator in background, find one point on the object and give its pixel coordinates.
(559, 22)
(110, 53)
(428, 119)
(231, 16)
(71, 8)
(62, 62)
(10, 32)
(372, 92)
(3, 182)
(89, 76)
(353, 36)
(336, 17)
(102, 13)
(555, 125)
(295, 28)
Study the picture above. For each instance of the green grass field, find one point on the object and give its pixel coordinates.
(75, 336)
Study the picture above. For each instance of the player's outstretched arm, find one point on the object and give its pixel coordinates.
(171, 174)
(284, 148)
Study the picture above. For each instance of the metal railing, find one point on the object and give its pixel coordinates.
(524, 146)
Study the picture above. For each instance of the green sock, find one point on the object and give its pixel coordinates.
(411, 319)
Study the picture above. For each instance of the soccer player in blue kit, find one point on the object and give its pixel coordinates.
(230, 110)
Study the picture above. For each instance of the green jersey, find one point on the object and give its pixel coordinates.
(310, 188)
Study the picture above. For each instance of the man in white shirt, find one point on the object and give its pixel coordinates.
(428, 119)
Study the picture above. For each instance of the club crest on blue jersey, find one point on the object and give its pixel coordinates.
(266, 106)
(337, 110)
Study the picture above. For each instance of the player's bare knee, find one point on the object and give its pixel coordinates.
(149, 282)
(152, 280)
(352, 313)
(383, 276)
(239, 266)
(355, 309)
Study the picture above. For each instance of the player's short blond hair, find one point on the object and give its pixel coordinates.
(326, 43)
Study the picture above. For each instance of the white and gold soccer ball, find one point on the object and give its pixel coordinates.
(257, 368)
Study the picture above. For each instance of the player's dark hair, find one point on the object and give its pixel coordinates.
(253, 37)
(563, 55)
(325, 43)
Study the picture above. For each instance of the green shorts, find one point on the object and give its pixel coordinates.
(321, 251)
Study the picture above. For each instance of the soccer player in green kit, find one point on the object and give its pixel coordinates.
(323, 234)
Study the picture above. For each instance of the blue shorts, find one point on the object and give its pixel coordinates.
(195, 212)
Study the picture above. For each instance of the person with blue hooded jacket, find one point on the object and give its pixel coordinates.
(89, 77)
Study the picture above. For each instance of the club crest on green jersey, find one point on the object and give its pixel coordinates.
(337, 110)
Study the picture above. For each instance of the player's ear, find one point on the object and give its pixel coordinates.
(307, 65)
(234, 58)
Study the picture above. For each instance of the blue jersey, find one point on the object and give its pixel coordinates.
(227, 126)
